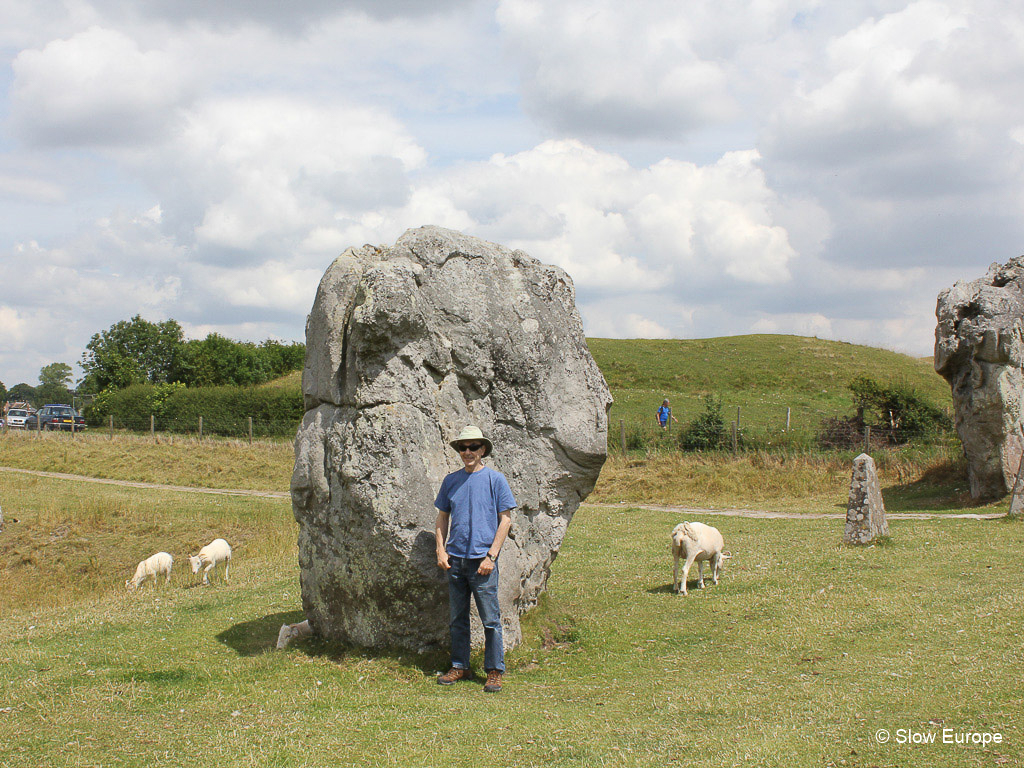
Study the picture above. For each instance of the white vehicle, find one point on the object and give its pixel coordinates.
(16, 418)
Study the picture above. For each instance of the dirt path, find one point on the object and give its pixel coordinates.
(752, 513)
(768, 515)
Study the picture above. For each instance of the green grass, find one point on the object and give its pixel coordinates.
(796, 658)
(761, 375)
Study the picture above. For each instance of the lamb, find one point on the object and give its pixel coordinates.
(217, 551)
(153, 566)
(290, 632)
(696, 542)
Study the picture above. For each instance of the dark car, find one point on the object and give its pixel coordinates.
(55, 417)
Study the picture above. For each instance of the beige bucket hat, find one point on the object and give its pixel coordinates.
(469, 434)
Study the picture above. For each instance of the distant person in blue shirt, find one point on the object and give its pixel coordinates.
(665, 413)
(474, 514)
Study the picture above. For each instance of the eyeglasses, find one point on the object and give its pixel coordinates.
(470, 447)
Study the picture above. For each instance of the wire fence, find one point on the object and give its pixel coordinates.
(741, 429)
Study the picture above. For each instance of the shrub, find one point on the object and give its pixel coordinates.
(707, 431)
(898, 409)
(895, 412)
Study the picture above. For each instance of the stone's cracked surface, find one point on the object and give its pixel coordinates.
(865, 511)
(979, 350)
(405, 345)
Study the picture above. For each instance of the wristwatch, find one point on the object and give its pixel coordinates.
(492, 558)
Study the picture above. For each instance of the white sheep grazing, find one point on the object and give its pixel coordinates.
(217, 551)
(696, 542)
(153, 566)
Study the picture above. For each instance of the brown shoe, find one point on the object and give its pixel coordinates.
(493, 684)
(453, 675)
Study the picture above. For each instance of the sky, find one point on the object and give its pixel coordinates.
(700, 169)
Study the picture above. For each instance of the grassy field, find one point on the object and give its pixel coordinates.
(803, 654)
(797, 658)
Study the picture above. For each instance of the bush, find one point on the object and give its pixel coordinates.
(707, 431)
(897, 410)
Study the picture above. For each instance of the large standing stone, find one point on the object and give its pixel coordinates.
(405, 345)
(979, 349)
(865, 512)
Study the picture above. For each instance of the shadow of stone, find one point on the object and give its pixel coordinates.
(259, 636)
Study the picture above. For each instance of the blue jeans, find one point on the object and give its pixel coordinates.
(463, 581)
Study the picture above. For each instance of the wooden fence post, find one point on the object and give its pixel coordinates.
(152, 426)
(200, 429)
(735, 439)
(250, 430)
(787, 419)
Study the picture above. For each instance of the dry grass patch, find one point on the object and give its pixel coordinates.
(933, 480)
(168, 460)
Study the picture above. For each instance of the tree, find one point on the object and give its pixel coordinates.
(53, 383)
(55, 375)
(132, 351)
(21, 393)
(3, 393)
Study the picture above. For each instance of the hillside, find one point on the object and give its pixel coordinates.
(762, 375)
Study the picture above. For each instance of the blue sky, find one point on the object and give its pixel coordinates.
(699, 169)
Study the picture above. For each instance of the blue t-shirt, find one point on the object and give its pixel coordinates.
(663, 413)
(473, 501)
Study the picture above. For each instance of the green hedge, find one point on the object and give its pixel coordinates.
(175, 408)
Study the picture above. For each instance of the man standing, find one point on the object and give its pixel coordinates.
(474, 514)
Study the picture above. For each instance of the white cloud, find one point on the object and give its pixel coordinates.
(611, 68)
(273, 285)
(96, 88)
(628, 326)
(262, 174)
(616, 228)
(30, 189)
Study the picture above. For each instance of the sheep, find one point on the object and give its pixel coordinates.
(290, 632)
(217, 551)
(696, 542)
(153, 566)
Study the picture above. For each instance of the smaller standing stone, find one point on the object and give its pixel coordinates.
(1016, 497)
(865, 512)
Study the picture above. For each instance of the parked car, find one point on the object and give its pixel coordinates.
(55, 417)
(16, 418)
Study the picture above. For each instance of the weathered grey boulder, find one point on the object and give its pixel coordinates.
(979, 350)
(865, 512)
(405, 345)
